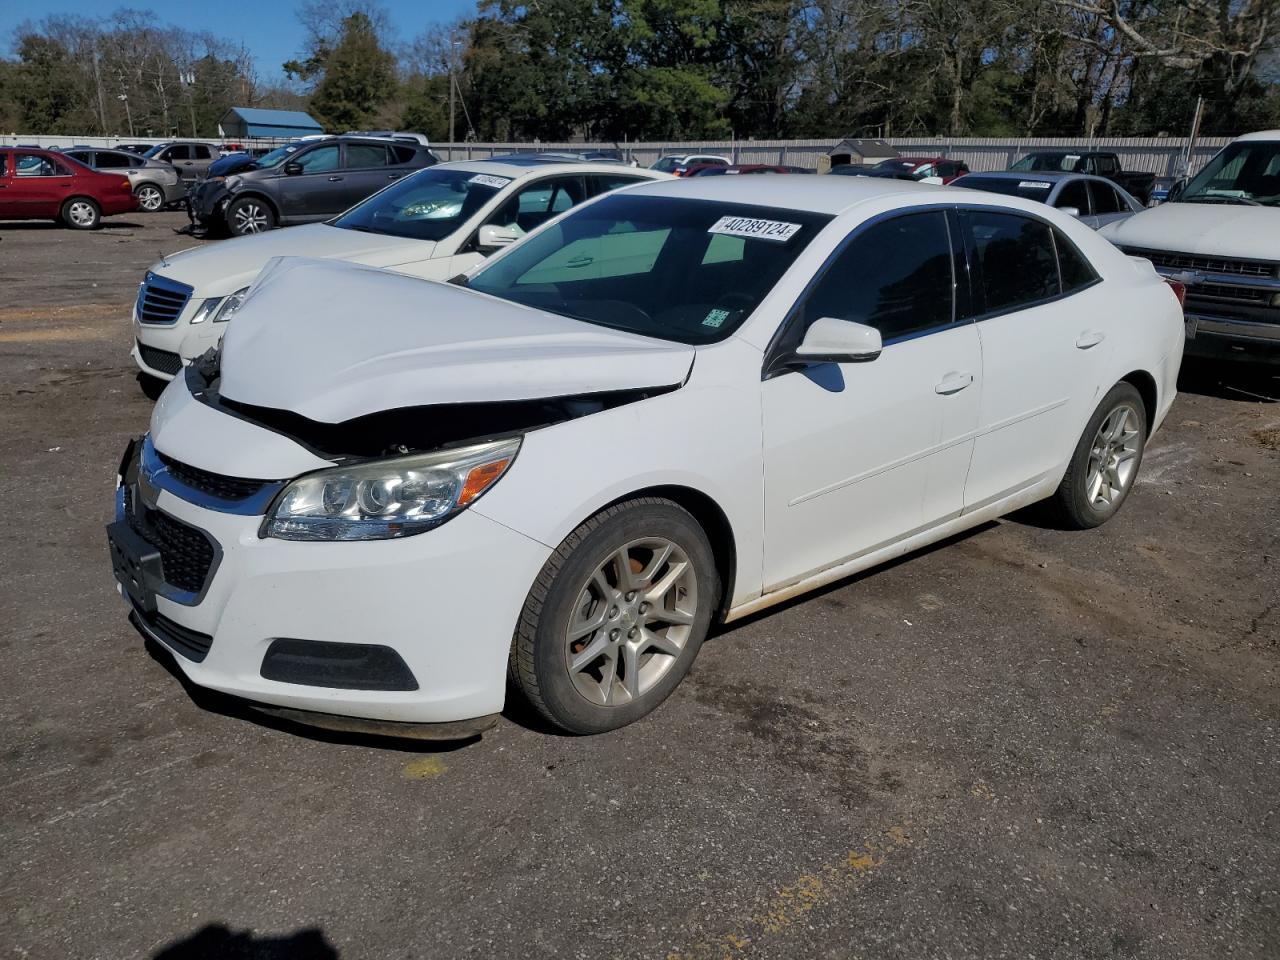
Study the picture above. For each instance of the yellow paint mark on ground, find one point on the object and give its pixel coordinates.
(790, 904)
(424, 768)
(77, 311)
(56, 334)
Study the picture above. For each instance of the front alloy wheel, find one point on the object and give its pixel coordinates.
(616, 617)
(249, 216)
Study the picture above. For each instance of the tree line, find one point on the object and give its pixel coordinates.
(618, 70)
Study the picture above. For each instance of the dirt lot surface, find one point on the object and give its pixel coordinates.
(1021, 743)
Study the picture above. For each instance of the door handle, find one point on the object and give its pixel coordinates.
(334, 179)
(1090, 338)
(953, 383)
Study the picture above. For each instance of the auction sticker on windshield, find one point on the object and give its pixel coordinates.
(756, 229)
(486, 180)
(1034, 184)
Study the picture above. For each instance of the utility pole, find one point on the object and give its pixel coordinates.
(124, 97)
(453, 92)
(1191, 140)
(97, 80)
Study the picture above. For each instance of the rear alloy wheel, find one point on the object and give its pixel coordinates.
(1105, 463)
(617, 616)
(150, 198)
(249, 215)
(81, 213)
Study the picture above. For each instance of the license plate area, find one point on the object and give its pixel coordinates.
(136, 565)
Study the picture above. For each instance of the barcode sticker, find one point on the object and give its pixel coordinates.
(485, 180)
(774, 230)
(1034, 184)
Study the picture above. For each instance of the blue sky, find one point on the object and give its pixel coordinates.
(269, 29)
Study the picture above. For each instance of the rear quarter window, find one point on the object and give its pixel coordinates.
(1016, 257)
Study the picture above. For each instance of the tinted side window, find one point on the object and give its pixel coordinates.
(1076, 271)
(180, 152)
(603, 183)
(895, 276)
(1104, 198)
(366, 155)
(1075, 195)
(200, 151)
(111, 161)
(1016, 259)
(319, 160)
(402, 154)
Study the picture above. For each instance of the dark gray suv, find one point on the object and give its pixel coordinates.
(316, 182)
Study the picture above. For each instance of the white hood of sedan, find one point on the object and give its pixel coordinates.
(333, 341)
(218, 269)
(1207, 229)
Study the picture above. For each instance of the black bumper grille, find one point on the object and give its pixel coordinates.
(186, 554)
(1188, 261)
(190, 643)
(214, 484)
(162, 360)
(160, 300)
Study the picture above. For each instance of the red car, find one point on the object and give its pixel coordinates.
(931, 169)
(45, 185)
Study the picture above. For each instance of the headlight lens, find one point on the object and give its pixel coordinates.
(229, 306)
(388, 498)
(206, 309)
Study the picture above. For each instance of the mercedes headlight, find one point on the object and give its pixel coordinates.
(384, 499)
(220, 308)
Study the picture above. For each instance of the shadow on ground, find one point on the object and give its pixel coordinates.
(217, 942)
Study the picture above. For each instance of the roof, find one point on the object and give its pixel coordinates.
(810, 192)
(1261, 135)
(865, 147)
(276, 118)
(1051, 176)
(524, 166)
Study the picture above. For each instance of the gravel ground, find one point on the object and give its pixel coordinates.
(1020, 743)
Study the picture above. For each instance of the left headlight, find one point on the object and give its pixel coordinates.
(220, 309)
(388, 498)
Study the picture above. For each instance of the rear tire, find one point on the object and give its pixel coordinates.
(150, 198)
(600, 644)
(81, 213)
(1104, 466)
(248, 216)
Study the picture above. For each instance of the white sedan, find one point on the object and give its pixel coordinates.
(675, 405)
(434, 224)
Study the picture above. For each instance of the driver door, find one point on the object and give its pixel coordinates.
(316, 192)
(859, 455)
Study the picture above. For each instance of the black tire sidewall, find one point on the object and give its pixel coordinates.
(66, 218)
(236, 204)
(567, 706)
(1121, 394)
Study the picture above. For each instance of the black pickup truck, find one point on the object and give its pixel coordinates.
(1096, 162)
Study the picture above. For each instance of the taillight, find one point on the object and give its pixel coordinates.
(127, 185)
(1179, 291)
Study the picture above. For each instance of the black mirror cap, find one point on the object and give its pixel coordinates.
(292, 168)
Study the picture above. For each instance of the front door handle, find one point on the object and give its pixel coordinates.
(334, 179)
(953, 383)
(1090, 338)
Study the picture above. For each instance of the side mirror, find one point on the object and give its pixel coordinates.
(830, 340)
(292, 169)
(493, 237)
(1175, 191)
(1071, 211)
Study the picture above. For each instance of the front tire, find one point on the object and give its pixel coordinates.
(249, 215)
(150, 198)
(81, 213)
(1104, 466)
(616, 617)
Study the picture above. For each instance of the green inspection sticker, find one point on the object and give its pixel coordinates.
(715, 318)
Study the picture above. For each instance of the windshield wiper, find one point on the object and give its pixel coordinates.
(1210, 198)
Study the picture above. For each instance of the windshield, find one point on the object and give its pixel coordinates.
(1048, 161)
(155, 151)
(684, 270)
(1247, 173)
(275, 156)
(429, 205)
(1037, 190)
(667, 164)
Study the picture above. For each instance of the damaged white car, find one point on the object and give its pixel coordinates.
(673, 406)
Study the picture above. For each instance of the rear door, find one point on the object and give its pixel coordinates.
(1074, 195)
(8, 197)
(365, 171)
(202, 155)
(1043, 325)
(1108, 206)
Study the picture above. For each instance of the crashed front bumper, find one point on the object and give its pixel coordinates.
(445, 603)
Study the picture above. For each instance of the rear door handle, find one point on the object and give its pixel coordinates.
(953, 383)
(1090, 338)
(334, 179)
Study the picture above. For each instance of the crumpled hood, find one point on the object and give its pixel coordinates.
(333, 341)
(1208, 229)
(215, 270)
